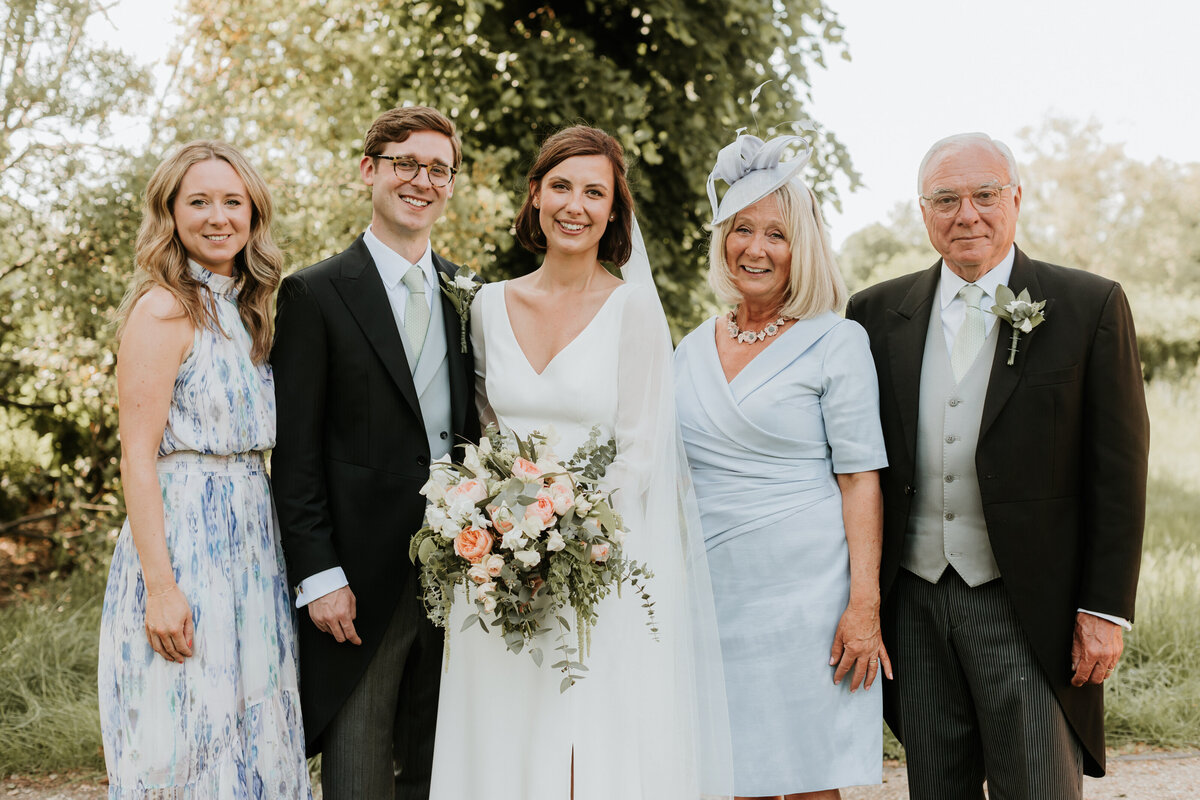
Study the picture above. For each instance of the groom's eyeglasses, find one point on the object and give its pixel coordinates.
(947, 204)
(407, 169)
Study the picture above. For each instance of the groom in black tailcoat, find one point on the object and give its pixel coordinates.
(1014, 500)
(371, 386)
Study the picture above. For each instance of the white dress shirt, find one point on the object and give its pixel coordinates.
(392, 268)
(954, 311)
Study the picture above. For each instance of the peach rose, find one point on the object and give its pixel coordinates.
(473, 544)
(600, 552)
(562, 497)
(541, 511)
(493, 564)
(478, 574)
(470, 490)
(526, 470)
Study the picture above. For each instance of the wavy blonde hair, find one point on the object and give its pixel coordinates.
(161, 260)
(815, 284)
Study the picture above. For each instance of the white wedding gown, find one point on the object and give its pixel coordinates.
(504, 730)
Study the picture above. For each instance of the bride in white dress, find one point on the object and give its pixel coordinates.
(570, 346)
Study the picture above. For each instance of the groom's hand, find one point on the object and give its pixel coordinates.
(334, 613)
(1095, 648)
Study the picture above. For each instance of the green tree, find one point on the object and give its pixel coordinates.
(886, 250)
(59, 95)
(1085, 204)
(670, 78)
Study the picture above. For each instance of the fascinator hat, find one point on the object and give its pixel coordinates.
(753, 169)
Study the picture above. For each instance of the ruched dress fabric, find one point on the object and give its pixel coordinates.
(764, 449)
(504, 730)
(225, 724)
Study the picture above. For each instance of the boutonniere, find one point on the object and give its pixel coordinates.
(1019, 311)
(461, 290)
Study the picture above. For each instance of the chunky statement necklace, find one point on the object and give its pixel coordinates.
(750, 337)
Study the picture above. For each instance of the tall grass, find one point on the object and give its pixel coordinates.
(49, 719)
(1154, 696)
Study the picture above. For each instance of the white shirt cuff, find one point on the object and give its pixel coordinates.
(1124, 623)
(319, 585)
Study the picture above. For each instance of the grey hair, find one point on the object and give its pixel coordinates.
(962, 140)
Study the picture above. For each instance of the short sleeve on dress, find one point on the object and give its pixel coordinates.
(850, 401)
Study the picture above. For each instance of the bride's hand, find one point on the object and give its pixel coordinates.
(858, 648)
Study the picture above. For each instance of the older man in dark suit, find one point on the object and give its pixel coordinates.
(1015, 499)
(371, 386)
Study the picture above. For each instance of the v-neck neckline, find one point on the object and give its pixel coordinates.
(513, 333)
(716, 353)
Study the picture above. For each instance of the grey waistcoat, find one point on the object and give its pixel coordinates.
(432, 381)
(946, 525)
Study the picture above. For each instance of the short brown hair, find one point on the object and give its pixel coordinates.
(396, 124)
(581, 140)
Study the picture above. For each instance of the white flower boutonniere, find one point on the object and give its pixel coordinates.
(1019, 311)
(461, 290)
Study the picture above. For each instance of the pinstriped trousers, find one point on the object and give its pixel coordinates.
(974, 702)
(379, 745)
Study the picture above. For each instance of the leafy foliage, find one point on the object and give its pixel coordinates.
(68, 233)
(669, 78)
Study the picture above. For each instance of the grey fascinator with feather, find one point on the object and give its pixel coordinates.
(753, 169)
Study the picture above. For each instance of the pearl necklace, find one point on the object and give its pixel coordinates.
(750, 337)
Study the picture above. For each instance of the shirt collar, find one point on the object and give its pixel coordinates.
(995, 276)
(392, 266)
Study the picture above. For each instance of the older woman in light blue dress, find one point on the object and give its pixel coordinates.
(197, 670)
(780, 417)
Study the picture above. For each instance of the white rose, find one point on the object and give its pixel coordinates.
(433, 490)
(449, 529)
(484, 590)
(485, 446)
(464, 282)
(555, 542)
(472, 461)
(582, 506)
(478, 574)
(489, 603)
(435, 517)
(530, 558)
(530, 527)
(514, 539)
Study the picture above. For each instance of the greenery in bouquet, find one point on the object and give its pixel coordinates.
(526, 536)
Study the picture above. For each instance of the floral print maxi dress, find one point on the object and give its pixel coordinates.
(225, 724)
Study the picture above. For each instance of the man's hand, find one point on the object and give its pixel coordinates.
(1095, 648)
(334, 613)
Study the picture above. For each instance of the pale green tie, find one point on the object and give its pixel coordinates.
(416, 311)
(971, 335)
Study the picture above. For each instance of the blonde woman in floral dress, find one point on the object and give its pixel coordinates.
(197, 672)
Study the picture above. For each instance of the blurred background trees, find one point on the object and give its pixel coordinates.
(672, 79)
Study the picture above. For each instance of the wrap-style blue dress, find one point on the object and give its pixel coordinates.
(764, 449)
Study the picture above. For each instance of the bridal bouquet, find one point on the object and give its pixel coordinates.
(525, 536)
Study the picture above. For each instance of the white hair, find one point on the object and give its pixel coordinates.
(964, 140)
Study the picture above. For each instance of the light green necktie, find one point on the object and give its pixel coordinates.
(416, 312)
(971, 335)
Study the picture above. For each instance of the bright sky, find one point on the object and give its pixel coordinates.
(922, 70)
